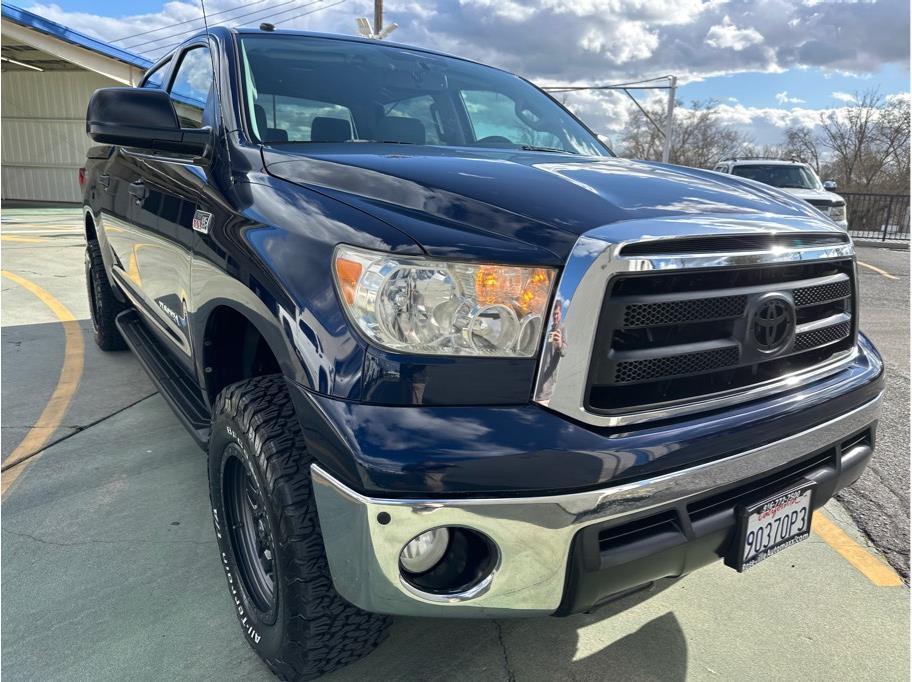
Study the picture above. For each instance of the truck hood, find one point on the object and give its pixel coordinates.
(479, 199)
(814, 195)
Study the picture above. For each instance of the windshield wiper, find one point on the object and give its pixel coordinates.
(531, 148)
(382, 141)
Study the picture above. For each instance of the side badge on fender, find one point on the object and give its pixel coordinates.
(201, 221)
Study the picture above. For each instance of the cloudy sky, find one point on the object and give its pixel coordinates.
(770, 63)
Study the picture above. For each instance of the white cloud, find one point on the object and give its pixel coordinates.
(590, 41)
(727, 35)
(608, 113)
(783, 98)
(626, 42)
(574, 39)
(507, 9)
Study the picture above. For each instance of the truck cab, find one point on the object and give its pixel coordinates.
(792, 176)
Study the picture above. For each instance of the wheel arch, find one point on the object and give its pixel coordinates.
(236, 343)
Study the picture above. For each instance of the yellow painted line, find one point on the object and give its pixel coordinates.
(67, 383)
(877, 270)
(872, 567)
(133, 265)
(44, 230)
(26, 240)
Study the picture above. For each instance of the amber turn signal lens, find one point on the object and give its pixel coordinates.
(348, 272)
(510, 285)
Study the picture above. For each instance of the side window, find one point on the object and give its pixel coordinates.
(290, 119)
(720, 169)
(494, 115)
(191, 85)
(156, 78)
(422, 108)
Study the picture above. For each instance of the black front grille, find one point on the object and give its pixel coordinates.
(675, 365)
(822, 293)
(823, 336)
(674, 336)
(675, 312)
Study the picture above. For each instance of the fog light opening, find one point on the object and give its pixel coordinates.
(447, 561)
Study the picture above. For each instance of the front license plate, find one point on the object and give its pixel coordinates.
(773, 524)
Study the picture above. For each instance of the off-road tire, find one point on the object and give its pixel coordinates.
(103, 305)
(308, 630)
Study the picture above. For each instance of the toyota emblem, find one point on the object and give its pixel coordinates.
(774, 323)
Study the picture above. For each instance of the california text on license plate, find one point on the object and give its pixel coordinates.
(773, 524)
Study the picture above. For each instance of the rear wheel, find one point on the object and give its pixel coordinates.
(269, 537)
(103, 305)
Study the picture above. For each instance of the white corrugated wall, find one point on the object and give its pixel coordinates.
(44, 140)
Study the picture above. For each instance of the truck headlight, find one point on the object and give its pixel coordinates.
(423, 306)
(838, 213)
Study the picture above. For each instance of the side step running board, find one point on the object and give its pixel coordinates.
(177, 386)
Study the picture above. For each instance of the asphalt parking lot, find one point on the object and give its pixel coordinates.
(110, 569)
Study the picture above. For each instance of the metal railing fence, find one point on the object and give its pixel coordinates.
(884, 217)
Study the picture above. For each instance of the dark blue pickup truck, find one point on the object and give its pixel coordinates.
(448, 355)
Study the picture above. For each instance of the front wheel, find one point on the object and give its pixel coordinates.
(269, 537)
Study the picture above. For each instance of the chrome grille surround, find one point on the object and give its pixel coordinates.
(563, 373)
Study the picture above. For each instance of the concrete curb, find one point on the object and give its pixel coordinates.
(877, 244)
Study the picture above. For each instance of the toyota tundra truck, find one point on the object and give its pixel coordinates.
(448, 355)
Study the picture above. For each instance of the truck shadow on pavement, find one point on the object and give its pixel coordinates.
(536, 649)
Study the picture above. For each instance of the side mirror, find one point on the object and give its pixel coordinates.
(143, 118)
(829, 185)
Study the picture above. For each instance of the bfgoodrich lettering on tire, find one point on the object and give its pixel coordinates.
(269, 538)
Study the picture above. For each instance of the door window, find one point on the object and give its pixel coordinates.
(155, 79)
(191, 86)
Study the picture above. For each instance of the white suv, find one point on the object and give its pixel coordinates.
(793, 177)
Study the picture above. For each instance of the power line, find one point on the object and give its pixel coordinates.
(162, 50)
(187, 21)
(672, 87)
(239, 16)
(304, 14)
(632, 85)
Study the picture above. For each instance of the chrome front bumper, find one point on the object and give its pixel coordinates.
(533, 534)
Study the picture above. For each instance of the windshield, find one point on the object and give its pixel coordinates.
(779, 175)
(302, 89)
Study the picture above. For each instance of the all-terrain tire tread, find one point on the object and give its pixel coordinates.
(325, 631)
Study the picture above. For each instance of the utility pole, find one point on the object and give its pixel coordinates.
(669, 118)
(375, 32)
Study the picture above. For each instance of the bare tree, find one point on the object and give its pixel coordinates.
(893, 138)
(699, 139)
(802, 143)
(868, 143)
(863, 146)
(766, 151)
